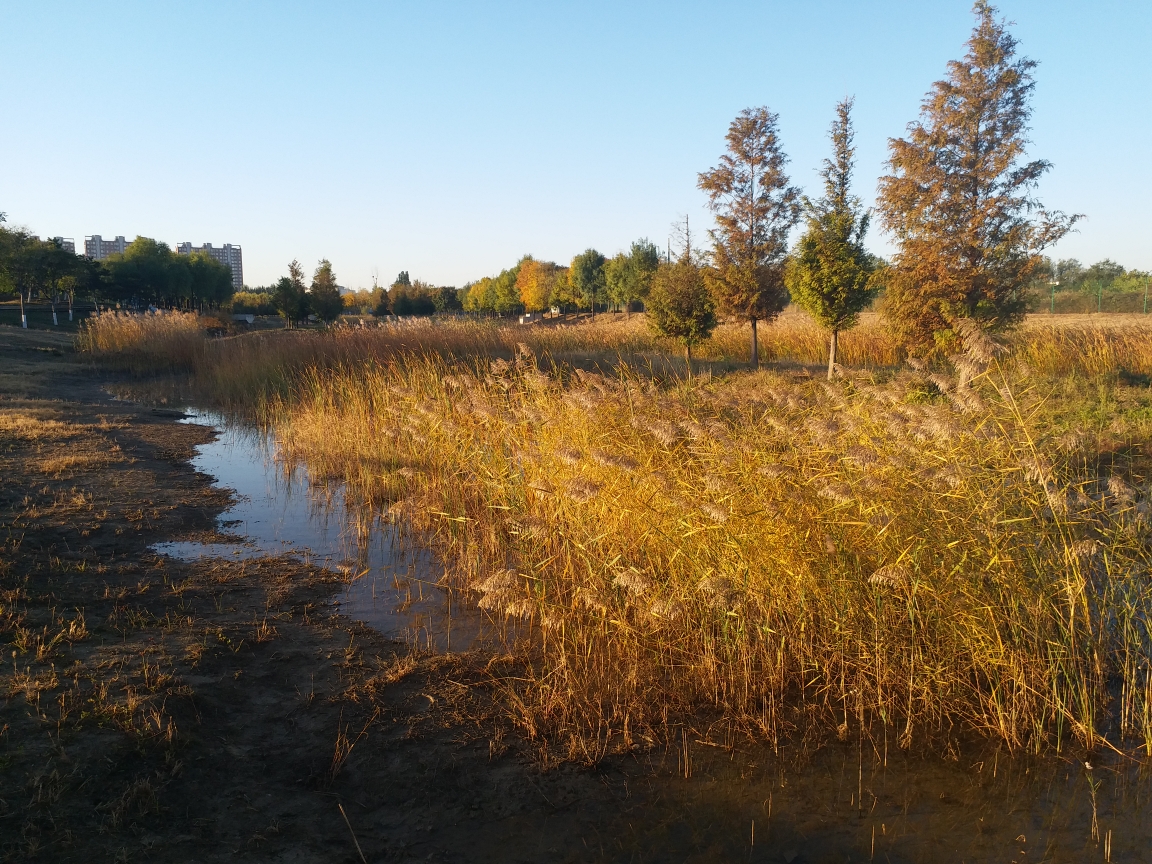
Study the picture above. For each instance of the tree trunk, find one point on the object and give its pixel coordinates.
(832, 355)
(23, 314)
(688, 358)
(755, 347)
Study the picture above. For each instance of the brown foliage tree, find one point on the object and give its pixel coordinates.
(959, 202)
(755, 208)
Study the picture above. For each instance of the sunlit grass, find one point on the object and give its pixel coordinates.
(896, 550)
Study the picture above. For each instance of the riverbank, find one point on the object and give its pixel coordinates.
(219, 710)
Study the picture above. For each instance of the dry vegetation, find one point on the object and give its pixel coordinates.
(919, 552)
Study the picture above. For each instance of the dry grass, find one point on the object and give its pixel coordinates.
(898, 551)
(144, 343)
(1087, 345)
(760, 544)
(68, 462)
(34, 425)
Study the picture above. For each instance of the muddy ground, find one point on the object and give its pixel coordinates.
(155, 710)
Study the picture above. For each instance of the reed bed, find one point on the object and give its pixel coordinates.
(785, 553)
(144, 343)
(925, 554)
(1087, 347)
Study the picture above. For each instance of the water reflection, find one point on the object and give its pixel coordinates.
(715, 797)
(279, 510)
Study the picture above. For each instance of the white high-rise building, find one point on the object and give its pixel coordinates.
(228, 255)
(97, 248)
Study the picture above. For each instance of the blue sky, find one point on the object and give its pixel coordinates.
(448, 139)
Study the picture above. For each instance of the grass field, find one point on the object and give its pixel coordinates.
(919, 553)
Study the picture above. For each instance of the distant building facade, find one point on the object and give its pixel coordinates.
(66, 243)
(97, 248)
(228, 255)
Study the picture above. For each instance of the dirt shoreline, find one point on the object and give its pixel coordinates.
(164, 711)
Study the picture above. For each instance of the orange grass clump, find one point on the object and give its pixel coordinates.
(783, 552)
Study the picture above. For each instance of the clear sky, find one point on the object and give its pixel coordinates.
(448, 139)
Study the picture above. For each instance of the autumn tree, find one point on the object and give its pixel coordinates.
(536, 283)
(959, 197)
(830, 272)
(755, 208)
(532, 285)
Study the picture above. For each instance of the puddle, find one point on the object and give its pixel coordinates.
(280, 511)
(840, 806)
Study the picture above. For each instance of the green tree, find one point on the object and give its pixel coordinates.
(209, 281)
(616, 278)
(505, 294)
(499, 294)
(560, 291)
(586, 276)
(755, 208)
(290, 296)
(830, 272)
(57, 269)
(628, 277)
(324, 294)
(445, 299)
(148, 271)
(959, 199)
(415, 298)
(680, 306)
(644, 259)
(18, 265)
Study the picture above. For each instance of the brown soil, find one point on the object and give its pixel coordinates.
(164, 711)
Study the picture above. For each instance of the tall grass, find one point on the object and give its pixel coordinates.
(1087, 347)
(143, 343)
(780, 551)
(916, 554)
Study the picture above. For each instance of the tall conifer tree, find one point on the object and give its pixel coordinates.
(830, 273)
(959, 197)
(755, 209)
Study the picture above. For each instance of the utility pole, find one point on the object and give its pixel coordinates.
(1146, 294)
(1052, 308)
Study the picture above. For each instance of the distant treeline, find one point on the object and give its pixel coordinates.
(1107, 276)
(147, 273)
(589, 280)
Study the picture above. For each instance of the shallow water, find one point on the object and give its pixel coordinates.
(278, 510)
(709, 803)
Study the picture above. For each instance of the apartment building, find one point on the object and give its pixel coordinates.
(97, 248)
(228, 255)
(66, 243)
